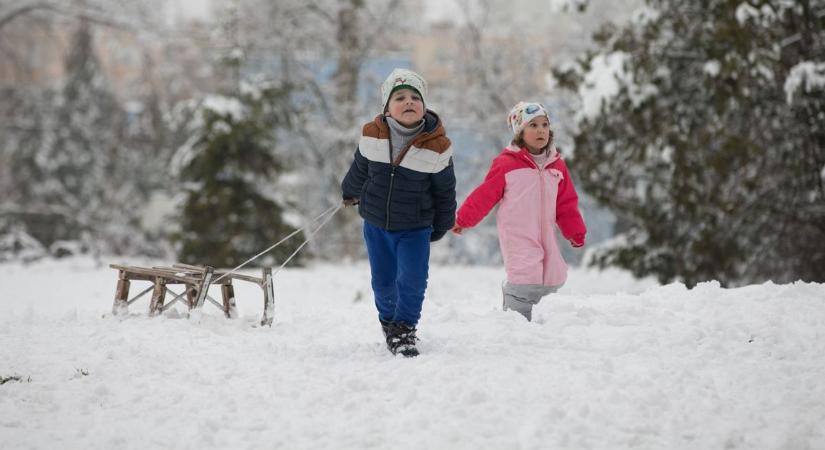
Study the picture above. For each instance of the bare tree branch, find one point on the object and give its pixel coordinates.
(322, 13)
(383, 22)
(9, 16)
(87, 15)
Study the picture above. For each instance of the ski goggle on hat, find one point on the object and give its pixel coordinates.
(523, 113)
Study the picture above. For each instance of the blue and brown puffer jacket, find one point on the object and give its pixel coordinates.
(414, 191)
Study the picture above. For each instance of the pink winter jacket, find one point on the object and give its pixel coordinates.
(533, 201)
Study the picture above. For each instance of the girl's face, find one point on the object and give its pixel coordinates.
(537, 134)
(406, 107)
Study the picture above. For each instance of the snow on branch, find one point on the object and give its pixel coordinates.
(607, 76)
(645, 15)
(804, 76)
(601, 83)
(224, 106)
(746, 12)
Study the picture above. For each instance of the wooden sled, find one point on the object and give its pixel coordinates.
(196, 281)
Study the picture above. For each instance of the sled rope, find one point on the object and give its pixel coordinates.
(311, 235)
(330, 212)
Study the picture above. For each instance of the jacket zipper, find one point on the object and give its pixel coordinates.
(389, 196)
(543, 214)
(401, 155)
(392, 179)
(543, 220)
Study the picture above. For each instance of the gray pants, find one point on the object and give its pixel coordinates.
(522, 297)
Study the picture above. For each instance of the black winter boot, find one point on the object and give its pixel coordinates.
(401, 339)
(385, 327)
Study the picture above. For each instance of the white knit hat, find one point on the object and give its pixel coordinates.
(523, 113)
(403, 78)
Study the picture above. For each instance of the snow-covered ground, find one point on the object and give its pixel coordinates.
(609, 362)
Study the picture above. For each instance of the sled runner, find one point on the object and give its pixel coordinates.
(196, 281)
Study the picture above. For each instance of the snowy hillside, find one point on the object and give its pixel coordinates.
(608, 363)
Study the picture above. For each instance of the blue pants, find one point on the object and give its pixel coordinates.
(399, 263)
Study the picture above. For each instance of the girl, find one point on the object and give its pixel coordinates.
(536, 193)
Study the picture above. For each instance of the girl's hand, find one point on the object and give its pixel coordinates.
(457, 229)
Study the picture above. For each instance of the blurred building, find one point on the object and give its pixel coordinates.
(36, 51)
(434, 51)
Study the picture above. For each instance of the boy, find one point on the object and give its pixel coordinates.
(403, 182)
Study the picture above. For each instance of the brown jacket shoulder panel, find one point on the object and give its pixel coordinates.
(438, 144)
(376, 128)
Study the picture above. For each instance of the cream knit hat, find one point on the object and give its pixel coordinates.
(400, 79)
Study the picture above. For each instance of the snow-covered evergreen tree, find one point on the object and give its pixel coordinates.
(79, 158)
(229, 167)
(702, 128)
(230, 212)
(86, 165)
(24, 222)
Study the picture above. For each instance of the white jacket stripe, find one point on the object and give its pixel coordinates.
(375, 149)
(418, 159)
(426, 161)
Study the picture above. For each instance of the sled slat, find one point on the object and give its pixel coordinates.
(143, 272)
(189, 266)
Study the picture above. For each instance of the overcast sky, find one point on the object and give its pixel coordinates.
(190, 9)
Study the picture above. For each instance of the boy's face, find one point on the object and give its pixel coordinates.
(406, 107)
(537, 133)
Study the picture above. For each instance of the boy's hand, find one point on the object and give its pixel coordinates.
(457, 229)
(350, 202)
(577, 241)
